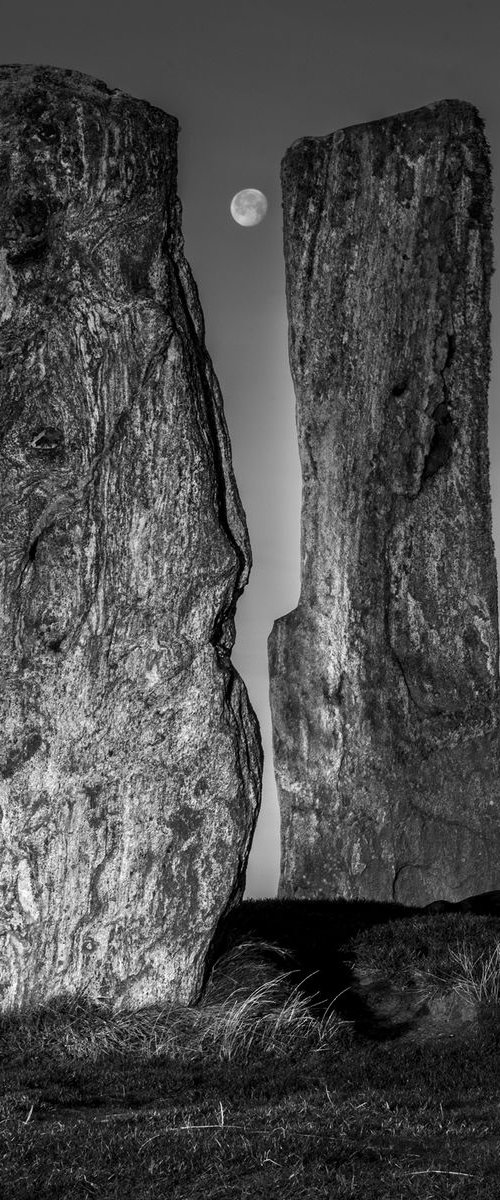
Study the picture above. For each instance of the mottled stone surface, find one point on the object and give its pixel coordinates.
(130, 758)
(384, 679)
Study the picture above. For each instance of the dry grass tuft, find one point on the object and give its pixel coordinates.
(249, 1004)
(478, 980)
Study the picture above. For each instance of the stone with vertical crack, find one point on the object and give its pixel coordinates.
(384, 679)
(130, 757)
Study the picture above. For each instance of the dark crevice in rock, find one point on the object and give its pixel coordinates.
(55, 645)
(441, 447)
(31, 743)
(450, 352)
(47, 439)
(400, 388)
(32, 550)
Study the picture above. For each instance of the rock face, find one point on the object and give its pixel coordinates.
(384, 679)
(130, 758)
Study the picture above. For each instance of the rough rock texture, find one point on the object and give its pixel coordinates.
(130, 757)
(384, 679)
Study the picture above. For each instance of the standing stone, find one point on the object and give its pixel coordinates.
(384, 679)
(130, 758)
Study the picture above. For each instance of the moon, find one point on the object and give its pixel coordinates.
(248, 207)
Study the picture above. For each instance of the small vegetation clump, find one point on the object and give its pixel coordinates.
(428, 976)
(257, 1091)
(433, 943)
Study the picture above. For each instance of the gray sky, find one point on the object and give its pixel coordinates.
(245, 80)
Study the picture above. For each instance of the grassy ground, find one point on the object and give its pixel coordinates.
(256, 1093)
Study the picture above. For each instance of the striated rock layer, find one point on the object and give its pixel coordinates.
(130, 758)
(384, 679)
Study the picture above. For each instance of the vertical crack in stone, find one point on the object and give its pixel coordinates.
(441, 447)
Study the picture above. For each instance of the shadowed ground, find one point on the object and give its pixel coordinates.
(318, 938)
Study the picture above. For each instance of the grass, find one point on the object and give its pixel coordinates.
(479, 977)
(255, 1092)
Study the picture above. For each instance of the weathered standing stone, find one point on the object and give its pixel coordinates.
(130, 756)
(384, 679)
